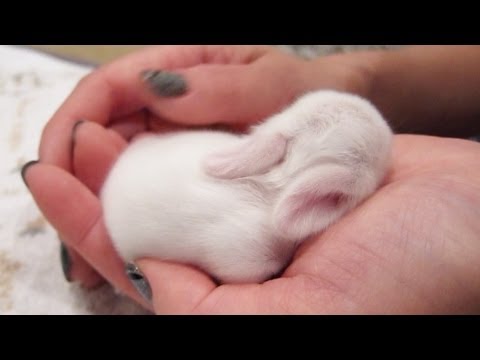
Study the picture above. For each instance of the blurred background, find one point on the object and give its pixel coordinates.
(98, 54)
(89, 53)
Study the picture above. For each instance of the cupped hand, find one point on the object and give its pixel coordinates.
(413, 247)
(166, 87)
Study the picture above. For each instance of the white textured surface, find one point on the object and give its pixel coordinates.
(32, 86)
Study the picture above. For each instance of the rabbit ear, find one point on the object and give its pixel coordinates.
(254, 155)
(316, 199)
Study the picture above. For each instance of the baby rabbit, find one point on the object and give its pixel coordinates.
(237, 206)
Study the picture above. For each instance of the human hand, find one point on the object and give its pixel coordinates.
(413, 247)
(233, 85)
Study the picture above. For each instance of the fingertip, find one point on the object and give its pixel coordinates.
(175, 288)
(24, 170)
(96, 150)
(139, 281)
(76, 269)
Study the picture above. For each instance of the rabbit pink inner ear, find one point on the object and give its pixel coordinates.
(313, 202)
(254, 155)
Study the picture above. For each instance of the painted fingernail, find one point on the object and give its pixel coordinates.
(25, 168)
(66, 262)
(139, 281)
(75, 128)
(165, 83)
(73, 137)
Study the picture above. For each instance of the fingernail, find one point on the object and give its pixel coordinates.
(25, 168)
(165, 83)
(73, 136)
(66, 262)
(139, 281)
(75, 128)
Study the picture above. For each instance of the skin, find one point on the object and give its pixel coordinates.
(413, 247)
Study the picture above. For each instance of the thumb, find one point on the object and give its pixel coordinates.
(211, 93)
(172, 288)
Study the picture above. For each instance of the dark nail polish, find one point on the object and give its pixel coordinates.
(75, 128)
(24, 170)
(66, 262)
(165, 83)
(139, 281)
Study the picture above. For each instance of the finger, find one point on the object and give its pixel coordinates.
(89, 144)
(95, 151)
(221, 84)
(234, 94)
(76, 213)
(176, 289)
(92, 99)
(77, 269)
(115, 90)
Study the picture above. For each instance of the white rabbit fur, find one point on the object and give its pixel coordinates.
(238, 206)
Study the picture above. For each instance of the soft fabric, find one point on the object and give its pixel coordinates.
(32, 87)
